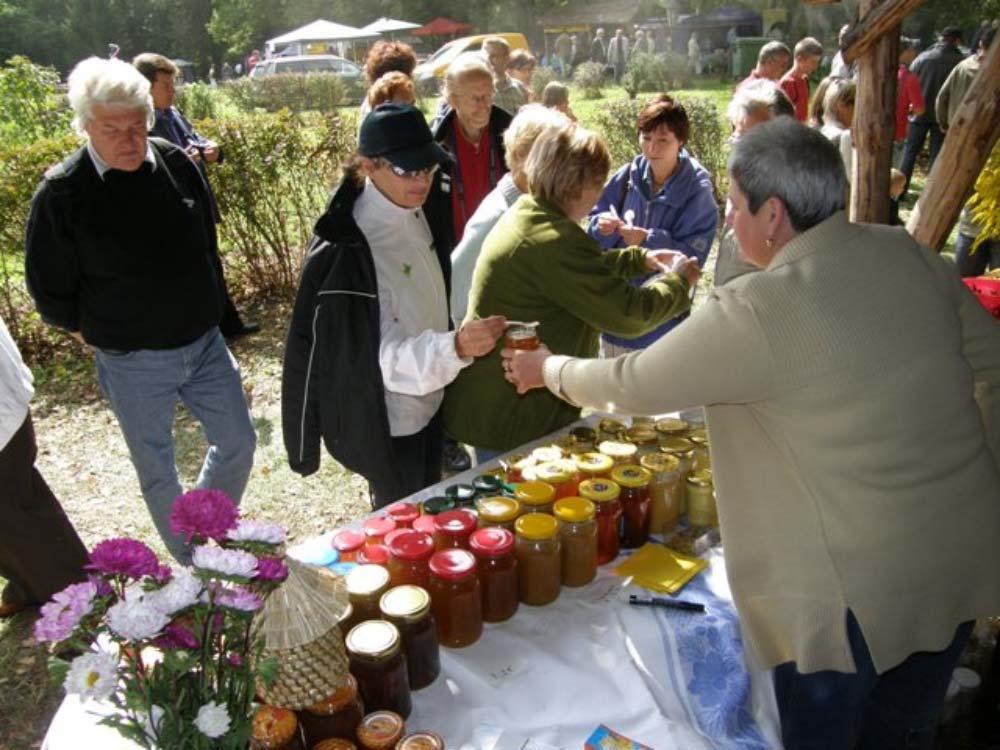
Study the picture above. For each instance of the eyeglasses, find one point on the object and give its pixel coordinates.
(409, 174)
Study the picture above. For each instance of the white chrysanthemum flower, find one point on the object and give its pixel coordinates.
(230, 562)
(183, 590)
(92, 675)
(137, 618)
(151, 721)
(257, 531)
(212, 719)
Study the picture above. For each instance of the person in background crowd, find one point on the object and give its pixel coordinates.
(521, 66)
(386, 57)
(212, 77)
(121, 252)
(838, 119)
(772, 62)
(227, 71)
(694, 55)
(525, 128)
(564, 49)
(40, 552)
(577, 51)
(931, 67)
(253, 60)
(795, 83)
(839, 68)
(751, 106)
(556, 96)
(639, 44)
(663, 199)
(392, 87)
(949, 99)
(909, 98)
(598, 52)
(509, 94)
(984, 26)
(538, 264)
(618, 53)
(172, 126)
(816, 105)
(369, 347)
(827, 496)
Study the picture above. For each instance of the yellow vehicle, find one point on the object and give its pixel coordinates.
(428, 74)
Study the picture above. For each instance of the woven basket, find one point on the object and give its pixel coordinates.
(299, 624)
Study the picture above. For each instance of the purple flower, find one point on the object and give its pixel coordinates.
(271, 569)
(103, 587)
(239, 598)
(235, 660)
(123, 557)
(163, 574)
(176, 636)
(61, 615)
(208, 514)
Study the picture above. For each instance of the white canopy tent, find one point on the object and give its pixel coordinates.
(389, 26)
(319, 31)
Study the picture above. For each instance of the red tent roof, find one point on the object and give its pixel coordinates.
(441, 27)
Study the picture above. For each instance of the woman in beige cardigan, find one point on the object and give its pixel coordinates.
(858, 494)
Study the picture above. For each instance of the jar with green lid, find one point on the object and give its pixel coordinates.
(683, 449)
(593, 465)
(702, 451)
(634, 481)
(609, 429)
(375, 649)
(643, 437)
(535, 497)
(365, 586)
(619, 451)
(701, 509)
(671, 427)
(409, 609)
(539, 558)
(463, 494)
(434, 505)
(561, 474)
(664, 491)
(498, 511)
(578, 536)
(604, 493)
(487, 485)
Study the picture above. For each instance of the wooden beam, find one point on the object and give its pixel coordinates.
(874, 127)
(974, 131)
(876, 22)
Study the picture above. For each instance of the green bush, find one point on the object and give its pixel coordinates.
(540, 79)
(662, 72)
(298, 92)
(31, 106)
(200, 101)
(590, 77)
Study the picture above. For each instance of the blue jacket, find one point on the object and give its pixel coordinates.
(682, 216)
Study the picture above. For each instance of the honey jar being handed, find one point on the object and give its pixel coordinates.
(521, 335)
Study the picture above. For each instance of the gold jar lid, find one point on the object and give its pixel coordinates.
(405, 602)
(534, 493)
(547, 453)
(617, 449)
(677, 446)
(365, 580)
(660, 463)
(698, 436)
(373, 639)
(583, 435)
(566, 444)
(421, 741)
(599, 490)
(643, 421)
(631, 476)
(671, 426)
(594, 463)
(641, 434)
(498, 509)
(702, 478)
(574, 509)
(611, 426)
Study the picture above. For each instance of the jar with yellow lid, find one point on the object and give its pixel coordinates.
(535, 497)
(634, 481)
(701, 509)
(578, 536)
(664, 491)
(593, 465)
(381, 730)
(375, 650)
(421, 741)
(539, 558)
(683, 449)
(409, 609)
(336, 716)
(365, 586)
(604, 493)
(275, 728)
(498, 511)
(702, 451)
(671, 427)
(619, 451)
(643, 437)
(609, 429)
(561, 474)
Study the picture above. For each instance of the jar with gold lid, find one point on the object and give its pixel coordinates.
(634, 481)
(643, 437)
(664, 491)
(539, 558)
(375, 650)
(498, 511)
(609, 429)
(336, 716)
(365, 586)
(604, 493)
(275, 729)
(683, 449)
(578, 537)
(593, 465)
(702, 451)
(381, 730)
(561, 474)
(702, 510)
(619, 451)
(456, 597)
(497, 569)
(584, 439)
(535, 497)
(421, 741)
(671, 427)
(409, 609)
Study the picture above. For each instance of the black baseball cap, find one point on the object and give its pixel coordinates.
(399, 134)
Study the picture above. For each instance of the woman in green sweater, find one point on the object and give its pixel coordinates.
(539, 264)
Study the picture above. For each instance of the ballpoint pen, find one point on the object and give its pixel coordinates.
(655, 601)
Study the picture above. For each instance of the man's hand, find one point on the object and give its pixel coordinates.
(193, 153)
(608, 224)
(633, 236)
(523, 368)
(211, 152)
(478, 337)
(672, 261)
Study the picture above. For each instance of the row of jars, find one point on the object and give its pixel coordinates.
(320, 727)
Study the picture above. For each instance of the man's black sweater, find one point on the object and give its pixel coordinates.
(129, 260)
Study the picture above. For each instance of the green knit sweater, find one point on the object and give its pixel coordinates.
(537, 264)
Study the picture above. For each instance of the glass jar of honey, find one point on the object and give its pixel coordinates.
(487, 485)
(643, 437)
(578, 537)
(620, 452)
(373, 554)
(545, 453)
(683, 449)
(375, 649)
(376, 528)
(671, 427)
(456, 598)
(634, 481)
(513, 466)
(561, 475)
(433, 506)
(347, 543)
(604, 493)
(584, 439)
(539, 558)
(409, 609)
(452, 529)
(498, 511)
(404, 514)
(535, 497)
(609, 429)
(347, 620)
(702, 510)
(380, 730)
(702, 451)
(275, 729)
(365, 586)
(334, 743)
(664, 491)
(409, 554)
(421, 741)
(497, 569)
(594, 465)
(521, 336)
(336, 716)
(425, 525)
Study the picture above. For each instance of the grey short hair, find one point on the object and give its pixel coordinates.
(772, 51)
(555, 93)
(752, 97)
(465, 66)
(796, 164)
(111, 83)
(530, 121)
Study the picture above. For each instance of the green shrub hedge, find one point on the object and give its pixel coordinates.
(590, 77)
(298, 92)
(655, 72)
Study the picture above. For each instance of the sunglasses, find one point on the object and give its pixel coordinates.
(409, 174)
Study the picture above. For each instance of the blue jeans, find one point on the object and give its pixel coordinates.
(895, 710)
(916, 134)
(987, 255)
(144, 387)
(485, 454)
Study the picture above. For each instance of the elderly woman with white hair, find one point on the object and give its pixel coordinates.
(857, 557)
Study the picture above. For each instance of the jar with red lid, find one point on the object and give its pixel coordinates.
(373, 554)
(347, 543)
(403, 514)
(376, 528)
(452, 529)
(604, 493)
(409, 553)
(275, 729)
(365, 586)
(380, 730)
(387, 542)
(497, 569)
(375, 649)
(634, 481)
(336, 716)
(409, 609)
(425, 525)
(421, 741)
(456, 599)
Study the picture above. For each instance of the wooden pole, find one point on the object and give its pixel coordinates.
(874, 123)
(877, 20)
(967, 145)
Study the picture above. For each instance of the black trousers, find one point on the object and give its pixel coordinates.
(418, 458)
(40, 552)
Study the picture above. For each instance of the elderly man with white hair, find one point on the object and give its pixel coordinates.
(122, 254)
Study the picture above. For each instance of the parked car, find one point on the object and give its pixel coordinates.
(347, 70)
(429, 73)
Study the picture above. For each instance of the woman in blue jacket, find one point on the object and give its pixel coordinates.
(663, 199)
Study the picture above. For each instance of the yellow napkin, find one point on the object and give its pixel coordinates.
(659, 568)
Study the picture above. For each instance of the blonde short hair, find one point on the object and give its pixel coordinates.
(531, 121)
(564, 161)
(841, 91)
(466, 66)
(111, 83)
